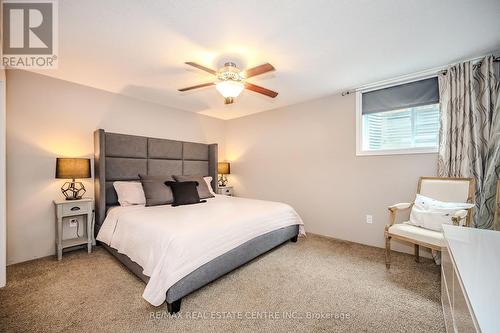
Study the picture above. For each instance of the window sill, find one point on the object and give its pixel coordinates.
(409, 151)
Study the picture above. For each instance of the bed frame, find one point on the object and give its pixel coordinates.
(123, 157)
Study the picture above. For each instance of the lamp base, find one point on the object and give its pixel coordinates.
(73, 190)
(222, 181)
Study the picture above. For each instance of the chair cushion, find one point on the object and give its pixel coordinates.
(431, 214)
(417, 233)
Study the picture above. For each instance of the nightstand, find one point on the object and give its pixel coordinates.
(225, 190)
(74, 208)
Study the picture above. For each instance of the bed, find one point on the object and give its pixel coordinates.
(156, 243)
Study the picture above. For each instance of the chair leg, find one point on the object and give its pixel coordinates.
(417, 254)
(387, 252)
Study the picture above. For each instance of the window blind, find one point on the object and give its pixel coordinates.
(408, 95)
(416, 127)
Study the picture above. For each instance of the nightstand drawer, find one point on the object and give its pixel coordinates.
(75, 208)
(225, 190)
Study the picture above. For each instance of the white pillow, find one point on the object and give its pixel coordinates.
(208, 180)
(130, 193)
(431, 214)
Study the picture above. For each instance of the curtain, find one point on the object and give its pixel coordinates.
(487, 205)
(468, 95)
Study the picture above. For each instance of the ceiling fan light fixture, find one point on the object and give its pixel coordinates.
(230, 80)
(230, 88)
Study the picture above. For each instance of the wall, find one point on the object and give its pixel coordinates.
(47, 118)
(304, 155)
(3, 230)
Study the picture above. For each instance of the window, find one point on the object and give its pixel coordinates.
(400, 129)
(401, 119)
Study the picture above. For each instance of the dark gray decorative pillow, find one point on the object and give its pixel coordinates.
(202, 187)
(185, 193)
(155, 190)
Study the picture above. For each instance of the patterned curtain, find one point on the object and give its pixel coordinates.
(469, 131)
(486, 217)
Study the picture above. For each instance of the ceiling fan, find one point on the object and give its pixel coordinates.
(231, 80)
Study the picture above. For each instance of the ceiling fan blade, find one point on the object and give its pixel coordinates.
(260, 90)
(203, 68)
(258, 70)
(197, 86)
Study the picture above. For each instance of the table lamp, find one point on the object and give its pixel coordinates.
(223, 169)
(73, 168)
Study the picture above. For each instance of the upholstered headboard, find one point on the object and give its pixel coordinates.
(124, 157)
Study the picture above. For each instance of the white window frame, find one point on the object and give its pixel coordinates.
(359, 123)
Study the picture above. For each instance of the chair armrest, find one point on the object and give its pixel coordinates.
(400, 206)
(395, 208)
(459, 216)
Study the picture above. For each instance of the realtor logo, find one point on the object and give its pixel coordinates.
(29, 34)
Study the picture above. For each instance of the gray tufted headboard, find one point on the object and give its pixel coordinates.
(124, 157)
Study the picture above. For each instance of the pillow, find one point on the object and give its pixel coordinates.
(185, 193)
(202, 187)
(431, 214)
(208, 180)
(129, 193)
(155, 190)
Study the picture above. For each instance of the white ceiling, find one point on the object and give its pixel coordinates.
(137, 48)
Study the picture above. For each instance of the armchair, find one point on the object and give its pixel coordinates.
(443, 189)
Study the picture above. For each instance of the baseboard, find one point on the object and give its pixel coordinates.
(424, 252)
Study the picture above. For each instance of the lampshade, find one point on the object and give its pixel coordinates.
(223, 168)
(73, 168)
(229, 88)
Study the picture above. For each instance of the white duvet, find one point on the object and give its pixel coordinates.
(171, 242)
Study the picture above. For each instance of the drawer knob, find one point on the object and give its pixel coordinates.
(75, 208)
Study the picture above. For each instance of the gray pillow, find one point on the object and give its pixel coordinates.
(202, 187)
(155, 190)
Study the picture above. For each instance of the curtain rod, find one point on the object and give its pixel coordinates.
(495, 59)
(415, 76)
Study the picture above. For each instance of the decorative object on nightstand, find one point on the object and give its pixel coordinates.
(225, 190)
(73, 168)
(72, 209)
(223, 169)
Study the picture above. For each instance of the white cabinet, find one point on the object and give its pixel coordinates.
(457, 314)
(72, 208)
(470, 271)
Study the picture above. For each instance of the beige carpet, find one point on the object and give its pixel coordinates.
(343, 286)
